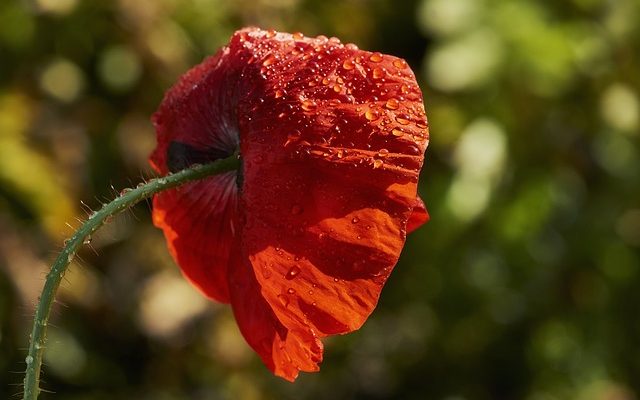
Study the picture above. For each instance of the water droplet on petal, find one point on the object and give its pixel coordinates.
(400, 63)
(392, 104)
(397, 132)
(269, 60)
(378, 73)
(291, 290)
(279, 93)
(293, 272)
(404, 89)
(298, 35)
(309, 105)
(372, 115)
(403, 119)
(355, 220)
(376, 57)
(377, 164)
(383, 153)
(337, 88)
(325, 81)
(270, 33)
(348, 64)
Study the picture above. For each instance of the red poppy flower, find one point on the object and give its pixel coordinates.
(301, 240)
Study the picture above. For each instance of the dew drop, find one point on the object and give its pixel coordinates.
(378, 73)
(413, 150)
(355, 220)
(404, 89)
(309, 105)
(400, 63)
(125, 191)
(269, 60)
(403, 119)
(279, 93)
(270, 34)
(310, 291)
(397, 132)
(377, 164)
(372, 115)
(298, 35)
(87, 240)
(336, 279)
(376, 57)
(392, 104)
(266, 272)
(337, 88)
(291, 290)
(325, 81)
(28, 359)
(351, 46)
(348, 64)
(293, 272)
(383, 153)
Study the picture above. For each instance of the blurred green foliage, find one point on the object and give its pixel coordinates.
(523, 285)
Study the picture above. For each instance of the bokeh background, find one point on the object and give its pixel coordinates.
(525, 284)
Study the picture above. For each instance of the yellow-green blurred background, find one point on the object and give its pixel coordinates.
(525, 284)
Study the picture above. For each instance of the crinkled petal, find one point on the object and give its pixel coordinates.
(332, 149)
(284, 351)
(197, 220)
(196, 123)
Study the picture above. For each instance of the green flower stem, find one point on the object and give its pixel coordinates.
(127, 198)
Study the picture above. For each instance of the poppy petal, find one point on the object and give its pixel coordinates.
(419, 216)
(196, 123)
(284, 351)
(332, 149)
(197, 220)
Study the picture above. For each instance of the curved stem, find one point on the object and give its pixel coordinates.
(127, 198)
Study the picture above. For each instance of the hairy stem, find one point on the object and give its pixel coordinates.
(127, 198)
